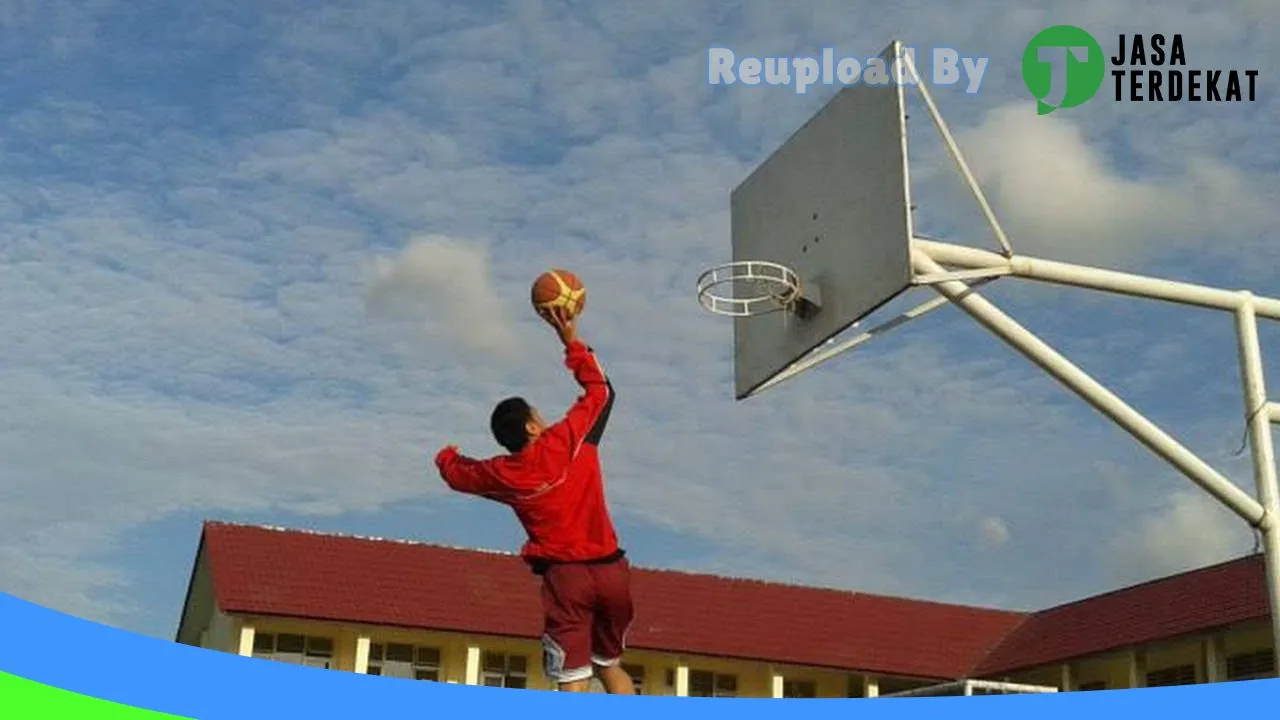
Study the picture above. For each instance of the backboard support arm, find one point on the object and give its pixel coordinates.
(822, 355)
(953, 149)
(1261, 513)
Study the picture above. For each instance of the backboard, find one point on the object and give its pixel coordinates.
(833, 204)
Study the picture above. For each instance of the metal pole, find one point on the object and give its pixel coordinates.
(954, 150)
(822, 355)
(1061, 273)
(1257, 411)
(1093, 392)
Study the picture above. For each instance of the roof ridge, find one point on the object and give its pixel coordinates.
(656, 570)
(831, 589)
(355, 536)
(1147, 583)
(980, 663)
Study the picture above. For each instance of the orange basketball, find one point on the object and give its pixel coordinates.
(559, 289)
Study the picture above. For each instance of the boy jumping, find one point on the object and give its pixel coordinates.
(551, 478)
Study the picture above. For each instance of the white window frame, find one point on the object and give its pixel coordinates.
(502, 678)
(1187, 670)
(1093, 686)
(716, 677)
(788, 687)
(312, 654)
(1259, 665)
(408, 670)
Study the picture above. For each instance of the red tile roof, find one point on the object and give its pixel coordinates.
(1193, 602)
(291, 573)
(263, 571)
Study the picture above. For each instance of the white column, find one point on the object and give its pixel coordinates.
(1262, 448)
(473, 665)
(362, 655)
(1213, 659)
(246, 640)
(777, 683)
(682, 680)
(1067, 678)
(1137, 669)
(870, 686)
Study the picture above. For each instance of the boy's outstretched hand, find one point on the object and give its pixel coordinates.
(562, 322)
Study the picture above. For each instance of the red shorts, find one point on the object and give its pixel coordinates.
(588, 612)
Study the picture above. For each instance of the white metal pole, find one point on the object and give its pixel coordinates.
(1273, 409)
(958, 157)
(1262, 449)
(820, 355)
(1061, 273)
(1093, 392)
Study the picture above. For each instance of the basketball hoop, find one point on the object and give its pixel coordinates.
(773, 287)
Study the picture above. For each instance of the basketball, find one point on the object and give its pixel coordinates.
(559, 289)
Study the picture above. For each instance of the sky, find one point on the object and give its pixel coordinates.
(259, 261)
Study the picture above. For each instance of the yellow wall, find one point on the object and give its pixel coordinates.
(1114, 668)
(1248, 639)
(221, 634)
(200, 611)
(1172, 654)
(754, 679)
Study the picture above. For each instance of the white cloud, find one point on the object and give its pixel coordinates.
(993, 532)
(1189, 529)
(1061, 194)
(444, 286)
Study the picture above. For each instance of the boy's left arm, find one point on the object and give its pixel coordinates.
(466, 475)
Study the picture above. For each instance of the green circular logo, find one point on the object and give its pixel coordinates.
(1063, 67)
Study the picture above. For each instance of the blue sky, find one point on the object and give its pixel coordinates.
(258, 261)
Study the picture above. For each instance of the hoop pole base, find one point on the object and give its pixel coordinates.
(1262, 448)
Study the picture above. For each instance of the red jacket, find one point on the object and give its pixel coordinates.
(554, 484)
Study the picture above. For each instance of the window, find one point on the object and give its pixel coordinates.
(854, 685)
(704, 683)
(1178, 675)
(799, 689)
(294, 649)
(507, 671)
(1251, 666)
(404, 661)
(1092, 686)
(891, 685)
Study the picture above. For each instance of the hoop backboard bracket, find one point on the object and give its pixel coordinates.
(808, 303)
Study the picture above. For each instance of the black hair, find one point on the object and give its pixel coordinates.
(509, 423)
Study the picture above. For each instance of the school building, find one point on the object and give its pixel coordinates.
(427, 612)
